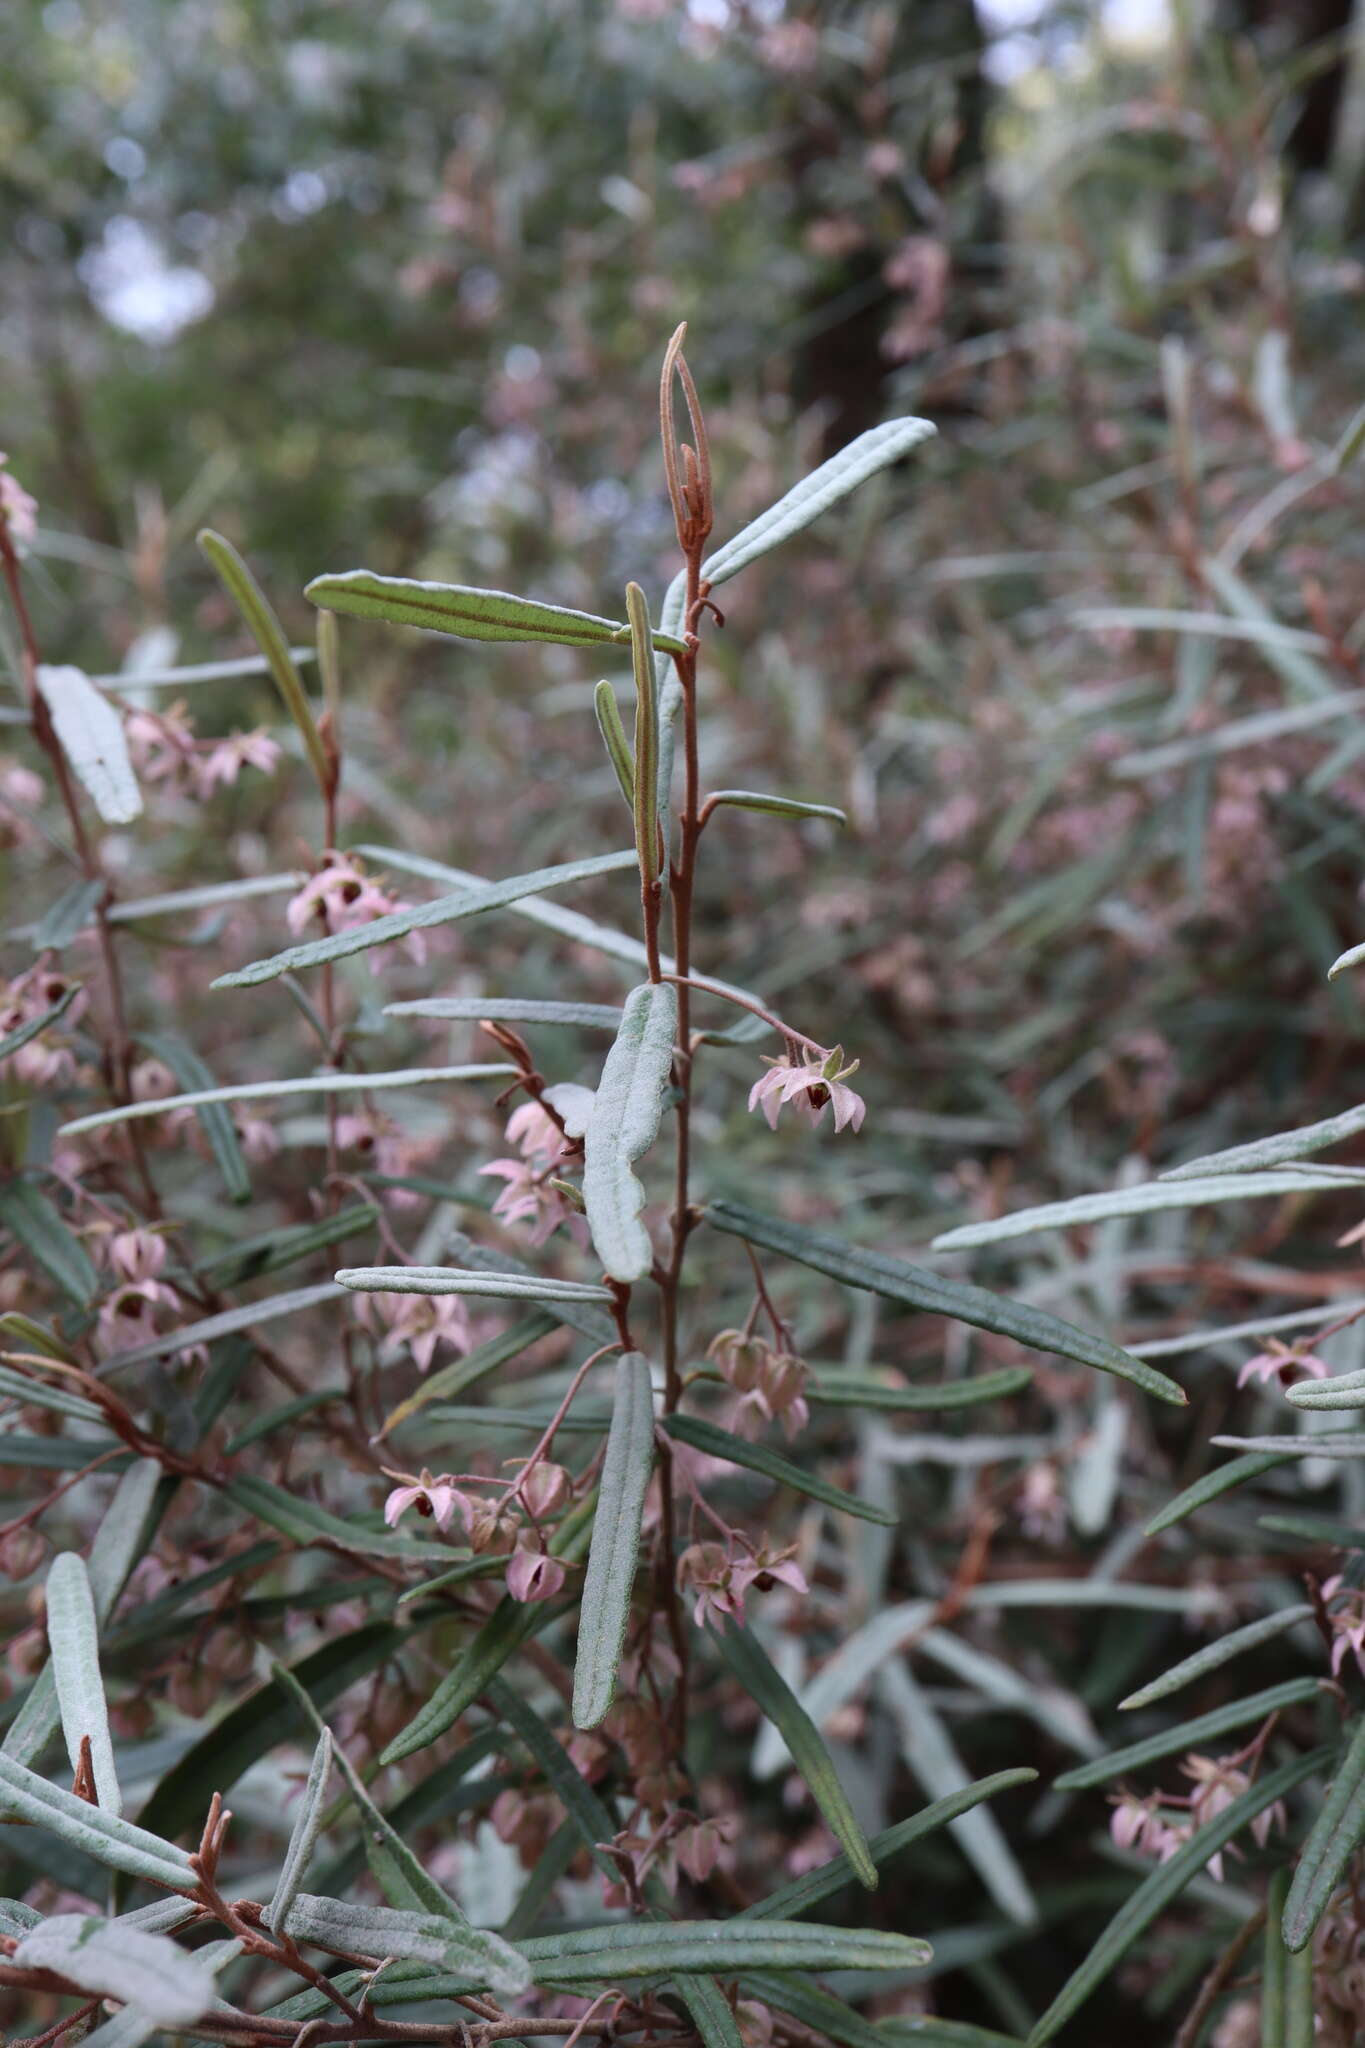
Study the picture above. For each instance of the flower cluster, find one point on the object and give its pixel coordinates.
(533, 1195)
(165, 750)
(339, 895)
(718, 1576)
(1158, 1827)
(509, 1525)
(770, 1383)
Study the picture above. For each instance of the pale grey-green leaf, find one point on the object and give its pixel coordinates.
(330, 1083)
(90, 733)
(1139, 1200)
(73, 1641)
(118, 1961)
(610, 1578)
(623, 1125)
(303, 1835)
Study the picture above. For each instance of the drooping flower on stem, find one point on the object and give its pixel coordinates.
(811, 1086)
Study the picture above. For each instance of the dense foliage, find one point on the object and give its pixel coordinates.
(679, 1294)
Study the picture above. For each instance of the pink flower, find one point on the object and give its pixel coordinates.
(41, 1062)
(534, 1575)
(721, 1577)
(777, 1395)
(529, 1198)
(810, 1085)
(18, 510)
(544, 1489)
(137, 1254)
(1277, 1361)
(438, 1499)
(225, 759)
(340, 895)
(129, 1315)
(418, 1324)
(535, 1134)
(1347, 1618)
(767, 1568)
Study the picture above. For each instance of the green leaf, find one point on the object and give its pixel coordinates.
(507, 1010)
(214, 1120)
(1323, 1445)
(1345, 1392)
(209, 1100)
(255, 608)
(90, 733)
(423, 917)
(610, 1578)
(34, 1223)
(1333, 1840)
(1291, 1692)
(825, 486)
(511, 1623)
(125, 1530)
(68, 917)
(210, 1328)
(716, 1947)
(467, 613)
(304, 1833)
(614, 739)
(736, 1450)
(256, 1723)
(35, 1393)
(837, 1389)
(13, 1040)
(466, 1280)
(347, 1929)
(73, 1641)
(1264, 1152)
(1223, 1479)
(780, 806)
(709, 2011)
(590, 1818)
(645, 771)
(623, 1125)
(807, 1891)
(140, 909)
(1163, 1887)
(463, 1372)
(419, 1890)
(307, 1524)
(107, 1837)
(769, 1690)
(248, 1258)
(1140, 1200)
(929, 2032)
(815, 2008)
(1215, 1654)
(146, 1971)
(934, 1295)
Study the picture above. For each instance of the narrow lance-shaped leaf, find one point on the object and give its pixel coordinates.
(1186, 1735)
(414, 1887)
(466, 1280)
(935, 1295)
(125, 1530)
(509, 1625)
(304, 1833)
(737, 1450)
(33, 1222)
(349, 1929)
(467, 613)
(840, 1389)
(825, 486)
(807, 1891)
(644, 1948)
(1215, 1654)
(115, 1960)
(210, 1328)
(1163, 1887)
(90, 733)
(1135, 1201)
(780, 806)
(1333, 1840)
(645, 771)
(1346, 1391)
(73, 1637)
(445, 910)
(507, 1009)
(769, 1690)
(1275, 1151)
(107, 1837)
(202, 1099)
(20, 1036)
(610, 1577)
(208, 1103)
(623, 1125)
(614, 739)
(252, 603)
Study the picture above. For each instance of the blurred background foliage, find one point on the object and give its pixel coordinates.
(389, 286)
